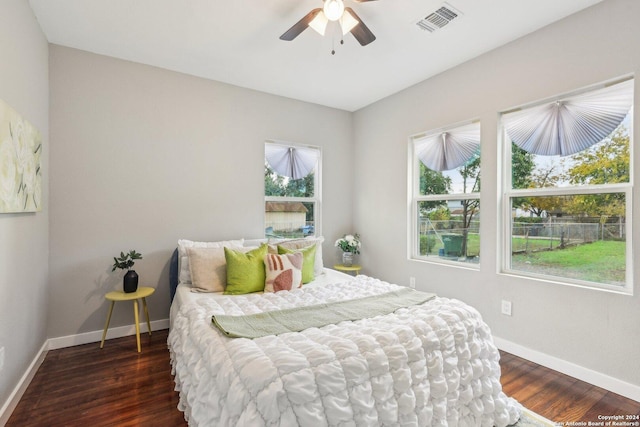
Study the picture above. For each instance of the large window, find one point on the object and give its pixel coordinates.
(291, 190)
(567, 200)
(445, 195)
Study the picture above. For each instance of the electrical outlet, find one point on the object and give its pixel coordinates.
(1, 358)
(506, 308)
(412, 282)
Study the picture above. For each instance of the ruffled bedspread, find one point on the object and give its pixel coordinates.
(434, 364)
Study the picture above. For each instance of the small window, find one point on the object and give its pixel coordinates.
(568, 198)
(445, 195)
(291, 189)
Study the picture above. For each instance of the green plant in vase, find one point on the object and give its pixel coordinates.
(126, 262)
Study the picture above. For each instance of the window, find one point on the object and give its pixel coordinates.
(445, 195)
(291, 190)
(568, 198)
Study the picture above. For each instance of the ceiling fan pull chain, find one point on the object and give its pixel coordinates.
(333, 44)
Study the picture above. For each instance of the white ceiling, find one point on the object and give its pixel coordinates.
(237, 41)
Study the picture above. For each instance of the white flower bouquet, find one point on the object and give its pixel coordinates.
(349, 243)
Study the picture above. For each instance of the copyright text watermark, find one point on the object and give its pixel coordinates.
(604, 421)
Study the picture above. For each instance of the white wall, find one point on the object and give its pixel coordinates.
(23, 237)
(596, 330)
(145, 156)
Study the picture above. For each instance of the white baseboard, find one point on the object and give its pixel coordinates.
(16, 395)
(96, 336)
(598, 379)
(69, 341)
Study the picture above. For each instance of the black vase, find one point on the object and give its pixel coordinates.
(130, 281)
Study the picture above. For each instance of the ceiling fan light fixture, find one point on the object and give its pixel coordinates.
(319, 23)
(333, 9)
(347, 22)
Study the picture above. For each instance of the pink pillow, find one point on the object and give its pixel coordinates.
(283, 272)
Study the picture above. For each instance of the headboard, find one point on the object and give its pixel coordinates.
(173, 274)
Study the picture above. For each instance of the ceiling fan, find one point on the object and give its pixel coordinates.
(333, 10)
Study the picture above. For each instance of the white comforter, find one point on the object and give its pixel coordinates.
(429, 365)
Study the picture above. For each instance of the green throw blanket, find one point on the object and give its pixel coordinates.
(315, 316)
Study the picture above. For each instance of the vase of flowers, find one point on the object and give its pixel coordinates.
(350, 245)
(347, 259)
(125, 262)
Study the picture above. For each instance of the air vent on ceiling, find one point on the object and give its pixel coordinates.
(438, 19)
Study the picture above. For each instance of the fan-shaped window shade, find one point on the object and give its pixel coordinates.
(451, 149)
(568, 126)
(291, 161)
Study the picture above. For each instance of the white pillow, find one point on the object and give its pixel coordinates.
(208, 268)
(255, 242)
(184, 275)
(318, 266)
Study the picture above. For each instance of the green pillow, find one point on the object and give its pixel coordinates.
(308, 261)
(245, 271)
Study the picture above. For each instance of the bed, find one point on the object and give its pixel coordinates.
(427, 364)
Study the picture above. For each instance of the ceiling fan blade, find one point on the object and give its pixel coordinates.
(361, 32)
(300, 26)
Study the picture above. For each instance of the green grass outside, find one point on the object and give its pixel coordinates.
(601, 261)
(473, 244)
(533, 244)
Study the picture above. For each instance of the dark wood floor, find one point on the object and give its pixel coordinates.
(559, 397)
(116, 386)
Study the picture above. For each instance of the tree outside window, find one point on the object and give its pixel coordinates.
(569, 210)
(446, 194)
(291, 190)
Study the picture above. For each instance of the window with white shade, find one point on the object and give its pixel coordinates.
(291, 189)
(444, 195)
(568, 198)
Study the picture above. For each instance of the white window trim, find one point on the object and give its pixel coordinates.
(505, 221)
(317, 199)
(414, 197)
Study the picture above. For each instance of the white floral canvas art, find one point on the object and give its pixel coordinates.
(20, 167)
